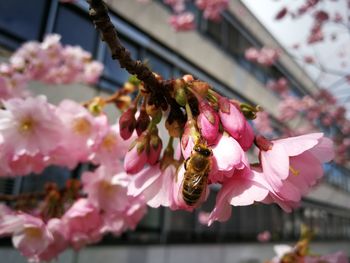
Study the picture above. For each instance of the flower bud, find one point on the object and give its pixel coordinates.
(151, 109)
(127, 123)
(129, 87)
(174, 128)
(175, 122)
(188, 78)
(247, 138)
(136, 157)
(133, 80)
(180, 96)
(96, 106)
(231, 118)
(142, 122)
(262, 143)
(208, 122)
(189, 138)
(155, 149)
(249, 111)
(123, 102)
(201, 88)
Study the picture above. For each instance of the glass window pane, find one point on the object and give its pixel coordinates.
(233, 38)
(151, 221)
(158, 65)
(33, 183)
(214, 31)
(75, 28)
(22, 18)
(112, 68)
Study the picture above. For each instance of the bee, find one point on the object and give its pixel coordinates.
(195, 179)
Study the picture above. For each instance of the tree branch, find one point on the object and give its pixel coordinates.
(99, 14)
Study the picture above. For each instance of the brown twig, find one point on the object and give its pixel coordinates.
(99, 15)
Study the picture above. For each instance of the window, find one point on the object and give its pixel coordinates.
(158, 65)
(75, 28)
(214, 30)
(34, 183)
(23, 18)
(112, 70)
(233, 36)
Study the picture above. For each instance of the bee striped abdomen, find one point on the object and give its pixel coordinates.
(193, 187)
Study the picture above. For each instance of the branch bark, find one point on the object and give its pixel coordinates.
(99, 14)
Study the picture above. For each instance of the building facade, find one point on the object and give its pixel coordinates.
(214, 52)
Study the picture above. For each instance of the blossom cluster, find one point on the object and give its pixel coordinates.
(214, 122)
(319, 111)
(36, 134)
(265, 56)
(183, 19)
(132, 169)
(319, 16)
(49, 62)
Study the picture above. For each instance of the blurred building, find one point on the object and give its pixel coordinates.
(214, 52)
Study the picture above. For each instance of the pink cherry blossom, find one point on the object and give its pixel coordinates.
(118, 222)
(83, 222)
(177, 5)
(231, 118)
(33, 237)
(280, 86)
(9, 221)
(49, 62)
(58, 244)
(182, 22)
(208, 122)
(293, 165)
(212, 8)
(25, 164)
(155, 148)
(106, 188)
(203, 217)
(265, 56)
(80, 132)
(247, 138)
(136, 157)
(110, 148)
(235, 123)
(264, 236)
(244, 188)
(155, 185)
(29, 126)
(228, 156)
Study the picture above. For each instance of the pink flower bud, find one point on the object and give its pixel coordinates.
(154, 149)
(231, 118)
(127, 123)
(247, 138)
(136, 157)
(189, 138)
(208, 122)
(142, 122)
(188, 78)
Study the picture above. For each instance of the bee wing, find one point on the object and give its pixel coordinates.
(198, 179)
